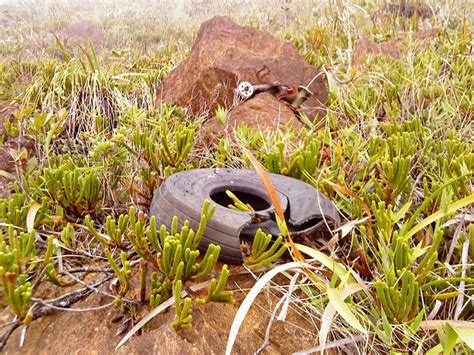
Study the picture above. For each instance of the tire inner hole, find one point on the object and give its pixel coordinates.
(257, 203)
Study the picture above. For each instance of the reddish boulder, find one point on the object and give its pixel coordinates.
(394, 48)
(263, 112)
(226, 53)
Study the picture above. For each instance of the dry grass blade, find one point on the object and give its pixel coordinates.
(333, 344)
(337, 304)
(267, 183)
(284, 308)
(64, 51)
(7, 175)
(337, 297)
(327, 261)
(435, 324)
(466, 201)
(466, 335)
(462, 285)
(348, 192)
(252, 295)
(272, 193)
(169, 302)
(30, 217)
(348, 227)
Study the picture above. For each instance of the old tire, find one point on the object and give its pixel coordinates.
(183, 194)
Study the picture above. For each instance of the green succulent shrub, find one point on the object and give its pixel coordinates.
(172, 251)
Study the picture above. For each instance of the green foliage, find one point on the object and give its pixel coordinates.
(17, 293)
(216, 291)
(399, 298)
(18, 253)
(178, 260)
(161, 289)
(164, 145)
(238, 205)
(179, 252)
(52, 275)
(136, 234)
(17, 256)
(14, 210)
(221, 114)
(77, 190)
(175, 146)
(48, 263)
(115, 230)
(183, 310)
(395, 160)
(68, 236)
(123, 273)
(172, 251)
(452, 339)
(262, 253)
(103, 239)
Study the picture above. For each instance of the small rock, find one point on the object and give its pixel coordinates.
(7, 165)
(394, 48)
(6, 110)
(76, 34)
(6, 162)
(408, 8)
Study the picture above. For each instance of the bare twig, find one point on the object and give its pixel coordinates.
(60, 302)
(126, 300)
(456, 236)
(8, 323)
(334, 344)
(80, 310)
(284, 308)
(87, 270)
(4, 338)
(266, 341)
(462, 285)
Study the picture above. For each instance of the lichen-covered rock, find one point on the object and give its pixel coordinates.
(226, 53)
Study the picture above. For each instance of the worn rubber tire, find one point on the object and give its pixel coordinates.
(183, 194)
